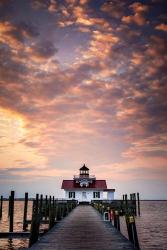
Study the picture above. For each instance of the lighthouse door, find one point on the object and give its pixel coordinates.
(84, 196)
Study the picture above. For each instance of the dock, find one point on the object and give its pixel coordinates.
(83, 228)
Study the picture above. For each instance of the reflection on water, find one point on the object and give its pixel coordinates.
(13, 244)
(151, 226)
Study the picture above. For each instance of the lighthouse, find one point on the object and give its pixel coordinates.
(85, 187)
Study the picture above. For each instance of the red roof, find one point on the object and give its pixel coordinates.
(97, 184)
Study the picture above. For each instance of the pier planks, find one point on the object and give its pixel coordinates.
(83, 229)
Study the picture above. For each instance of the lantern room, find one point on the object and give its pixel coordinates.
(84, 171)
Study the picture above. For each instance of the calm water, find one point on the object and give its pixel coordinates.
(151, 226)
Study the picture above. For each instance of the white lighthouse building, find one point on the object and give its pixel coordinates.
(85, 187)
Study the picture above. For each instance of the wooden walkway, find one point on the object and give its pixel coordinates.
(82, 229)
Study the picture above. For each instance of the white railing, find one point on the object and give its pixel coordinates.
(84, 176)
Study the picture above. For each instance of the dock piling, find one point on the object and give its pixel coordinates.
(116, 220)
(25, 212)
(9, 206)
(46, 207)
(138, 204)
(34, 233)
(41, 203)
(11, 211)
(37, 203)
(132, 232)
(51, 217)
(1, 207)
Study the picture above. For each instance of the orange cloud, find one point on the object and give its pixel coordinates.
(137, 58)
(53, 6)
(9, 35)
(161, 26)
(139, 7)
(137, 18)
(83, 2)
(100, 45)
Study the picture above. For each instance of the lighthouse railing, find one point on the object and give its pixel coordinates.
(84, 176)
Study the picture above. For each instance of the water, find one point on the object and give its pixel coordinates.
(14, 244)
(151, 226)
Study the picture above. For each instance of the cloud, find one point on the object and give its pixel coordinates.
(138, 7)
(153, 146)
(136, 18)
(41, 50)
(10, 34)
(114, 8)
(100, 45)
(136, 169)
(83, 2)
(161, 26)
(53, 6)
(38, 4)
(14, 35)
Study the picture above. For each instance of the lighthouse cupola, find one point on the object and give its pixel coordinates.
(84, 171)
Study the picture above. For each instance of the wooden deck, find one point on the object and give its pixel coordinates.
(82, 229)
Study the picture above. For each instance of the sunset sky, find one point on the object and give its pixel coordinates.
(83, 81)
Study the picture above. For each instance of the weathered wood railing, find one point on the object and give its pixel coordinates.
(44, 211)
(117, 208)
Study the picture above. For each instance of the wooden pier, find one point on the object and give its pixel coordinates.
(83, 228)
(73, 226)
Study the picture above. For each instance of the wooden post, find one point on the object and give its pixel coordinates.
(58, 211)
(9, 207)
(63, 210)
(126, 199)
(116, 220)
(37, 203)
(138, 204)
(134, 203)
(1, 207)
(53, 201)
(67, 208)
(50, 201)
(51, 217)
(41, 203)
(11, 210)
(34, 232)
(25, 212)
(46, 207)
(132, 232)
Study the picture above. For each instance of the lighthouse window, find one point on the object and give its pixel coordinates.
(72, 195)
(96, 194)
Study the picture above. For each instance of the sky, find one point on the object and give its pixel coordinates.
(83, 81)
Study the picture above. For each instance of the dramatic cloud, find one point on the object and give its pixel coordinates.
(162, 27)
(138, 14)
(83, 81)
